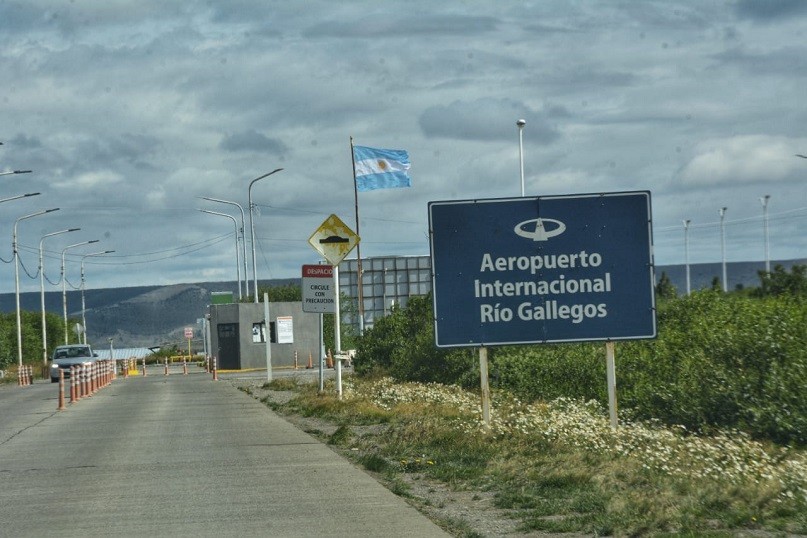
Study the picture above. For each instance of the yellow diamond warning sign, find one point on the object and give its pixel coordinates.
(334, 240)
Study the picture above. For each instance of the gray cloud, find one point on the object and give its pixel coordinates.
(487, 119)
(128, 111)
(252, 140)
(389, 24)
(769, 9)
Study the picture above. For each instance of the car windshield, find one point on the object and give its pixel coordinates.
(73, 352)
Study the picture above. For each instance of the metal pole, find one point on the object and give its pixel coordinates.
(764, 201)
(268, 337)
(611, 374)
(723, 247)
(83, 340)
(64, 283)
(359, 270)
(83, 336)
(237, 264)
(17, 279)
(521, 124)
(252, 231)
(42, 293)
(243, 238)
(686, 253)
(337, 317)
(484, 385)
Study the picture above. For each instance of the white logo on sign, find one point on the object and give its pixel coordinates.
(536, 230)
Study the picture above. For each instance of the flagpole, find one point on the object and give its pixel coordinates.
(358, 245)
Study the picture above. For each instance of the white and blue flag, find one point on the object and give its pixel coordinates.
(380, 168)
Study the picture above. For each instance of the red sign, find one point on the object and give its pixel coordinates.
(317, 271)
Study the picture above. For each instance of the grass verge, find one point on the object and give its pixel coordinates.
(558, 466)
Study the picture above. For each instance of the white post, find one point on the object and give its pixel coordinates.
(338, 359)
(485, 387)
(82, 338)
(321, 355)
(17, 279)
(723, 247)
(42, 292)
(610, 365)
(764, 201)
(268, 337)
(252, 232)
(337, 337)
(521, 124)
(686, 254)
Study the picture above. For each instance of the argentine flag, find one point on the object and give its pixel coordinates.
(380, 168)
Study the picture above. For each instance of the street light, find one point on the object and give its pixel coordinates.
(722, 213)
(83, 318)
(764, 200)
(64, 281)
(19, 196)
(243, 237)
(15, 172)
(42, 293)
(686, 253)
(521, 124)
(252, 230)
(17, 278)
(237, 265)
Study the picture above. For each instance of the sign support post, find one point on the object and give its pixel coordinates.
(610, 365)
(485, 387)
(321, 355)
(334, 240)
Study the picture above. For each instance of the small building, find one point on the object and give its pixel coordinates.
(238, 335)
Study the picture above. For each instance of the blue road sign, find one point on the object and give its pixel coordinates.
(542, 269)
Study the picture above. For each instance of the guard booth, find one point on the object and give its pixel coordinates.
(238, 335)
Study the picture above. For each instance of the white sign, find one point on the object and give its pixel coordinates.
(188, 332)
(318, 289)
(284, 328)
(334, 240)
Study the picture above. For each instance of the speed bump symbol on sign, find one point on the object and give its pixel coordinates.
(334, 240)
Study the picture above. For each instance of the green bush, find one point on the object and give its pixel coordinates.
(402, 345)
(720, 360)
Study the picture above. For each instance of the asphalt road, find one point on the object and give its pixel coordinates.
(179, 455)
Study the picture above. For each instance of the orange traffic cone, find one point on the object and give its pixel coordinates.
(310, 362)
(330, 359)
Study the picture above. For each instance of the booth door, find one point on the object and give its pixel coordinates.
(229, 348)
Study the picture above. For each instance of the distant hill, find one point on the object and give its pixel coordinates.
(138, 316)
(739, 274)
(145, 316)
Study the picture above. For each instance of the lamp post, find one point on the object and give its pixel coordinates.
(764, 200)
(42, 293)
(722, 213)
(10, 172)
(19, 196)
(83, 318)
(243, 238)
(520, 124)
(686, 253)
(64, 281)
(17, 278)
(237, 265)
(252, 230)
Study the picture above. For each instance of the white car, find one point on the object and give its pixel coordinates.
(66, 356)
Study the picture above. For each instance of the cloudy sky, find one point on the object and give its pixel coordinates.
(129, 111)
